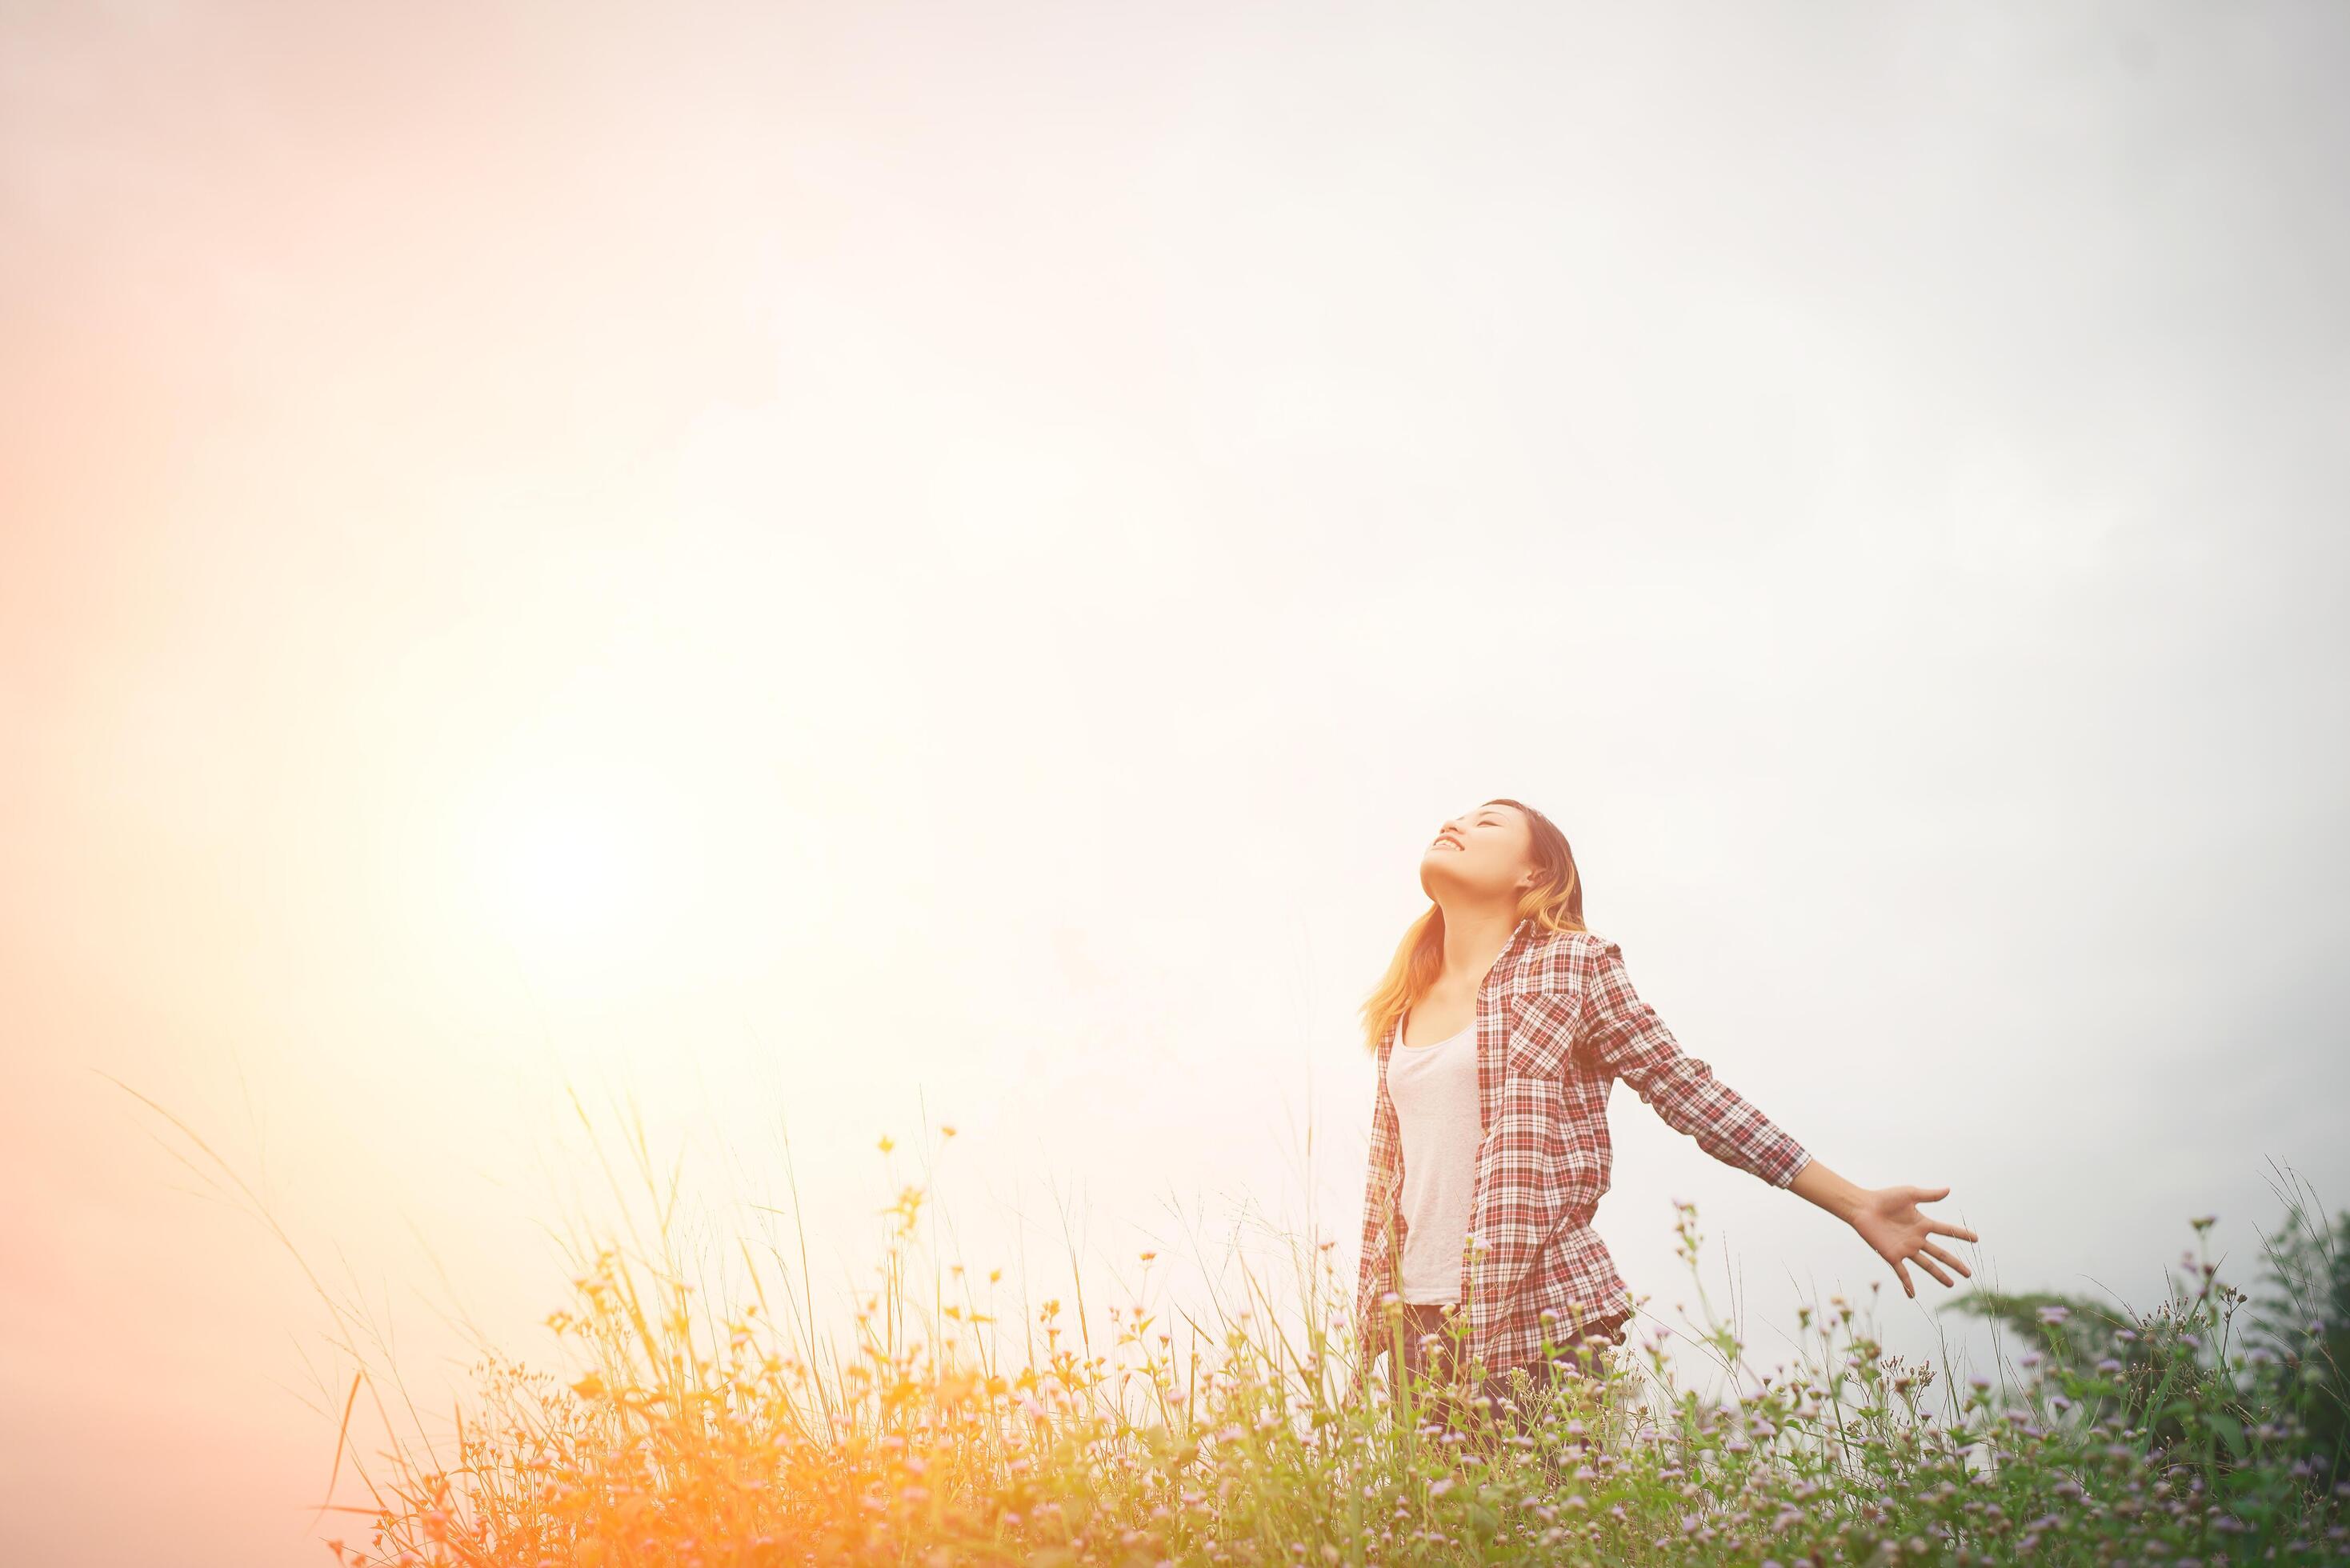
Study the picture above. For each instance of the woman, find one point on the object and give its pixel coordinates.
(1499, 1028)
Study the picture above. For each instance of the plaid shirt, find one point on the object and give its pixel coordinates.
(1557, 1023)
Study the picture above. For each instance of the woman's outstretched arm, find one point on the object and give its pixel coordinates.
(1622, 1032)
(1628, 1037)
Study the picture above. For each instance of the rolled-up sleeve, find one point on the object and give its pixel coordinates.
(1624, 1035)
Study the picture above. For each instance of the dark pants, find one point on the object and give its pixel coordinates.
(1438, 1386)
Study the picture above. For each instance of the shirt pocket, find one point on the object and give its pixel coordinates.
(1542, 1034)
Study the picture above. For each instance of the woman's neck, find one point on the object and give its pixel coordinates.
(1474, 940)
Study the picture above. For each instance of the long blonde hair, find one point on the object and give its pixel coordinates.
(1555, 902)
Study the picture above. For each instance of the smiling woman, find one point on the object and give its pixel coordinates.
(1488, 1162)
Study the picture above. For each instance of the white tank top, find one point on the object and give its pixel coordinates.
(1434, 1090)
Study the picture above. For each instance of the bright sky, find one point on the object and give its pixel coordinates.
(819, 568)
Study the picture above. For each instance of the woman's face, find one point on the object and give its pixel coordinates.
(1481, 855)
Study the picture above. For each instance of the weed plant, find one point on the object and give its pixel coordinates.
(684, 1440)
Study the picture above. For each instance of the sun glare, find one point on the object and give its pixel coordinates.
(583, 872)
(562, 873)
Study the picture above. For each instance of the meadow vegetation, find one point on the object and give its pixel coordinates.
(2206, 1432)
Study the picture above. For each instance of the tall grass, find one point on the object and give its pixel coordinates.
(692, 1433)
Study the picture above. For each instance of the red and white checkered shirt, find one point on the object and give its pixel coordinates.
(1557, 1023)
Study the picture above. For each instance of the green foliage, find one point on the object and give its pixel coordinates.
(2072, 1331)
(2129, 1439)
(2302, 1317)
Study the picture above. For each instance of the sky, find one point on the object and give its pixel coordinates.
(810, 575)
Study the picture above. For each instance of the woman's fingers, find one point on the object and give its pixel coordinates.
(1960, 1232)
(1947, 1259)
(1932, 1267)
(1907, 1288)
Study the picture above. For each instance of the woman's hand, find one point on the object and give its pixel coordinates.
(1888, 1220)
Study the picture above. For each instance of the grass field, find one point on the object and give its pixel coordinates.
(2207, 1430)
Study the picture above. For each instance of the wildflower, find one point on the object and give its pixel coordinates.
(2052, 1316)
